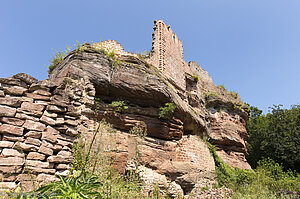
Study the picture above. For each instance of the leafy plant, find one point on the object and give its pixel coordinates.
(75, 186)
(57, 59)
(196, 78)
(119, 106)
(167, 110)
(79, 47)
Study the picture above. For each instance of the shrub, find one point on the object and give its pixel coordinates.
(119, 106)
(57, 59)
(196, 78)
(167, 110)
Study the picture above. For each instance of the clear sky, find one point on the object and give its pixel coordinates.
(250, 46)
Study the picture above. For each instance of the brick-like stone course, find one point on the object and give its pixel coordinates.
(38, 125)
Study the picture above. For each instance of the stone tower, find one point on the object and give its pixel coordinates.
(167, 53)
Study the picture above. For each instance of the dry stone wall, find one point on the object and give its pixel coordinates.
(112, 45)
(39, 122)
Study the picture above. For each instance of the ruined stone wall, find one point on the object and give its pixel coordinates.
(39, 122)
(167, 53)
(112, 45)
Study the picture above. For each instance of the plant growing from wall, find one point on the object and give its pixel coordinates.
(57, 59)
(167, 110)
(196, 78)
(119, 106)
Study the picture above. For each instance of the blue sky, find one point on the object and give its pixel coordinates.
(250, 46)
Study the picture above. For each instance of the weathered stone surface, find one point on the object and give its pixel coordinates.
(34, 126)
(7, 111)
(59, 159)
(42, 92)
(12, 153)
(26, 147)
(46, 178)
(48, 120)
(33, 141)
(12, 121)
(25, 177)
(50, 134)
(32, 108)
(63, 166)
(45, 150)
(13, 81)
(11, 169)
(25, 78)
(6, 144)
(10, 101)
(11, 161)
(37, 97)
(40, 170)
(34, 134)
(39, 164)
(56, 109)
(15, 90)
(26, 117)
(2, 93)
(8, 185)
(35, 156)
(15, 130)
(9, 137)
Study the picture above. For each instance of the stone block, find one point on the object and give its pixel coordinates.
(13, 81)
(2, 93)
(50, 114)
(39, 170)
(15, 130)
(33, 141)
(39, 164)
(15, 90)
(11, 169)
(66, 154)
(47, 120)
(25, 177)
(42, 92)
(27, 186)
(11, 161)
(12, 121)
(10, 101)
(37, 97)
(63, 166)
(71, 122)
(56, 109)
(9, 137)
(26, 147)
(45, 150)
(34, 126)
(35, 156)
(32, 108)
(34, 134)
(12, 153)
(25, 78)
(6, 144)
(50, 134)
(8, 185)
(7, 111)
(26, 117)
(59, 159)
(48, 178)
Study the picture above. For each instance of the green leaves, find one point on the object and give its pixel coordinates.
(167, 110)
(119, 106)
(275, 135)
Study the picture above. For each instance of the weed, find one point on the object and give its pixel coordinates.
(196, 78)
(119, 106)
(167, 110)
(57, 59)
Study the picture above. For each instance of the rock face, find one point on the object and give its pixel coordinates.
(40, 120)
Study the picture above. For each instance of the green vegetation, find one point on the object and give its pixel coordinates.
(60, 55)
(119, 106)
(275, 135)
(92, 175)
(167, 110)
(57, 59)
(196, 78)
(267, 181)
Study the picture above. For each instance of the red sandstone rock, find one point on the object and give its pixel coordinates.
(34, 126)
(15, 130)
(15, 90)
(7, 111)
